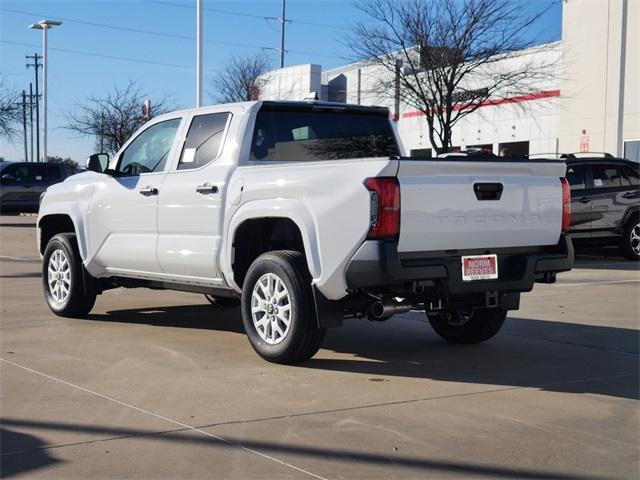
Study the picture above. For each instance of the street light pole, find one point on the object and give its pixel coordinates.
(44, 25)
(198, 53)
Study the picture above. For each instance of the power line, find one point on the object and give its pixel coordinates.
(156, 33)
(111, 57)
(247, 15)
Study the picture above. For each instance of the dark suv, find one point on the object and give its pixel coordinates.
(21, 184)
(605, 202)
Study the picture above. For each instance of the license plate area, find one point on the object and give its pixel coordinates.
(479, 267)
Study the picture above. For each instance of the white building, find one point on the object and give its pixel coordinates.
(593, 104)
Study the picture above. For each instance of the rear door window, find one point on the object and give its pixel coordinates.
(577, 176)
(204, 140)
(606, 176)
(302, 134)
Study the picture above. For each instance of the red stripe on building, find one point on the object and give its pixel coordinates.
(500, 101)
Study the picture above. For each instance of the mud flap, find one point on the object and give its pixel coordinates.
(329, 313)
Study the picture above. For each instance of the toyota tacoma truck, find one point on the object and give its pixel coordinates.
(305, 213)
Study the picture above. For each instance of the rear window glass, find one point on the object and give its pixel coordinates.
(299, 135)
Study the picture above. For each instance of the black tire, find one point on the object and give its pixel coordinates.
(630, 242)
(222, 302)
(475, 326)
(80, 298)
(303, 338)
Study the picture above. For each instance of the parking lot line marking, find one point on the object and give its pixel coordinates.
(605, 282)
(162, 417)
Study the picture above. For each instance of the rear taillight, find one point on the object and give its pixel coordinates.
(385, 206)
(566, 204)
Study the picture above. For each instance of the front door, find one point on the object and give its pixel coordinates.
(189, 205)
(122, 217)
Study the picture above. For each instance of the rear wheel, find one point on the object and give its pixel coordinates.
(630, 242)
(278, 310)
(63, 278)
(473, 325)
(223, 302)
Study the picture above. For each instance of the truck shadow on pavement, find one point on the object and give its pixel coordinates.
(553, 356)
(548, 355)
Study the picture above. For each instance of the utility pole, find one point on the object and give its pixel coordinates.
(31, 117)
(36, 58)
(282, 23)
(23, 104)
(198, 53)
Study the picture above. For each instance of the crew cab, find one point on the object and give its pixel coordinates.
(306, 213)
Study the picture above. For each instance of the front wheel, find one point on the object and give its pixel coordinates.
(63, 278)
(278, 310)
(630, 242)
(467, 326)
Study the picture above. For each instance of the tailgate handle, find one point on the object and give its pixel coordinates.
(488, 191)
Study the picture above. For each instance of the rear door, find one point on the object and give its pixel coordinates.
(609, 188)
(457, 204)
(579, 177)
(189, 204)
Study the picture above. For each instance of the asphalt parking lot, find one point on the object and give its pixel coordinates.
(163, 385)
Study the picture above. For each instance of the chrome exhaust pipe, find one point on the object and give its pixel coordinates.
(382, 310)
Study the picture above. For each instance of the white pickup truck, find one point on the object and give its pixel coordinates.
(305, 213)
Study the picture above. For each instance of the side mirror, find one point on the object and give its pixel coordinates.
(98, 162)
(7, 177)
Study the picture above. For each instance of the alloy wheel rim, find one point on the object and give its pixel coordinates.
(59, 276)
(635, 239)
(271, 308)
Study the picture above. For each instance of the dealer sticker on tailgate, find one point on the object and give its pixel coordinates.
(479, 267)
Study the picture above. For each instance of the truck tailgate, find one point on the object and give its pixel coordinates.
(455, 204)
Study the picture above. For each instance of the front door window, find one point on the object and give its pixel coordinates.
(149, 151)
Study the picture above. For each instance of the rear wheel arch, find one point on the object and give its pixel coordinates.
(255, 236)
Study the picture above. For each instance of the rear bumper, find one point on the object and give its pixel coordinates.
(378, 264)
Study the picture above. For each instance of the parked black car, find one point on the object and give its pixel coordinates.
(605, 202)
(21, 184)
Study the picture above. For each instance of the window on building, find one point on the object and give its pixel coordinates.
(576, 175)
(632, 150)
(606, 176)
(204, 140)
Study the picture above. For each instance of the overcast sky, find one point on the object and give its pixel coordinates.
(82, 50)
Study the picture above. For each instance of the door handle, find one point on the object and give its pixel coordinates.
(148, 190)
(206, 188)
(585, 200)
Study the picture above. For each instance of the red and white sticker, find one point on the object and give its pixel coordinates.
(479, 267)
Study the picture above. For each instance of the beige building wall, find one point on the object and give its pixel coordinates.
(590, 82)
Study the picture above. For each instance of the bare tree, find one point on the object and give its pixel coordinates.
(441, 56)
(112, 119)
(9, 112)
(240, 79)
